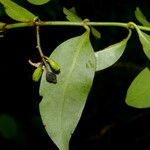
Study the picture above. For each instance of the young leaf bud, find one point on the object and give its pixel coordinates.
(51, 77)
(37, 73)
(54, 65)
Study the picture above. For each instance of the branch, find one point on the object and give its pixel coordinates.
(68, 23)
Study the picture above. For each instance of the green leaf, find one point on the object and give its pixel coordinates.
(63, 102)
(38, 2)
(95, 33)
(17, 12)
(138, 94)
(109, 55)
(141, 18)
(71, 15)
(145, 41)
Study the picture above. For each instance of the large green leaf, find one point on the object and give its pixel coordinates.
(141, 18)
(138, 94)
(17, 12)
(38, 2)
(63, 102)
(108, 56)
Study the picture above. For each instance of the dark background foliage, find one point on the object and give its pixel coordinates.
(107, 122)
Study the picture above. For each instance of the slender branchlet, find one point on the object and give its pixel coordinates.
(68, 23)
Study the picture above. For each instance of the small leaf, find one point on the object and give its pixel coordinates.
(145, 40)
(71, 15)
(17, 12)
(138, 94)
(38, 2)
(141, 18)
(63, 102)
(108, 56)
(95, 33)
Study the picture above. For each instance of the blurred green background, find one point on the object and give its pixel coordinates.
(107, 122)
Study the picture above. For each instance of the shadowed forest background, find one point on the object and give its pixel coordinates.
(107, 122)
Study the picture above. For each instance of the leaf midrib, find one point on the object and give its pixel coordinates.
(78, 49)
